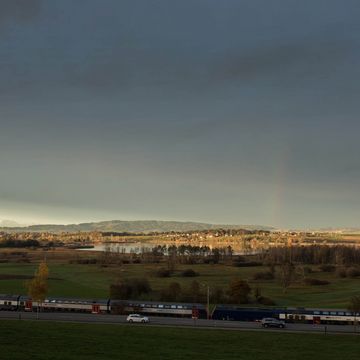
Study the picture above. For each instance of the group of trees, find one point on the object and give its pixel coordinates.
(182, 254)
(315, 255)
(12, 243)
(237, 292)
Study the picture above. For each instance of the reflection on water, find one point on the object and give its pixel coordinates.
(143, 247)
(123, 247)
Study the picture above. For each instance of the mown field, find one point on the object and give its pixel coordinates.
(93, 281)
(48, 340)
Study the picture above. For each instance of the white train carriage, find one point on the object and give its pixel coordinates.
(9, 302)
(157, 308)
(320, 316)
(95, 306)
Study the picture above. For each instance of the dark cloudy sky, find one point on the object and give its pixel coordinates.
(234, 111)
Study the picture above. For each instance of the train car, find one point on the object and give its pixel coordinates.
(25, 303)
(319, 316)
(158, 308)
(9, 302)
(237, 313)
(94, 306)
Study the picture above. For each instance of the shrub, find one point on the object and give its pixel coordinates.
(172, 293)
(189, 273)
(327, 268)
(246, 264)
(341, 273)
(308, 270)
(239, 291)
(353, 272)
(315, 282)
(265, 301)
(162, 272)
(263, 275)
(129, 288)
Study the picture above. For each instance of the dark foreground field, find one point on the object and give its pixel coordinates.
(40, 340)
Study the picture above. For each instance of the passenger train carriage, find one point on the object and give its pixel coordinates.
(298, 315)
(158, 308)
(220, 312)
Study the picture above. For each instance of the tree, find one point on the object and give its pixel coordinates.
(239, 291)
(38, 286)
(174, 290)
(172, 293)
(354, 306)
(125, 289)
(286, 275)
(194, 291)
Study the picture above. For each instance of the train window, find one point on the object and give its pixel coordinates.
(348, 313)
(161, 306)
(142, 305)
(316, 312)
(173, 306)
(154, 305)
(167, 306)
(341, 313)
(325, 313)
(148, 305)
(179, 307)
(333, 313)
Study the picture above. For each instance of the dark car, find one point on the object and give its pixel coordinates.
(272, 322)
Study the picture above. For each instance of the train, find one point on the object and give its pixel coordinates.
(178, 309)
(102, 306)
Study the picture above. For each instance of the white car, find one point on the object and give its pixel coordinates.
(137, 318)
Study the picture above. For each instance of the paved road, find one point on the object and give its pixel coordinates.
(179, 322)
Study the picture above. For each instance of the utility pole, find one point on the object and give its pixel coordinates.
(207, 299)
(208, 302)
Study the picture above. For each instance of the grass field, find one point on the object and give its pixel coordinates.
(44, 341)
(92, 281)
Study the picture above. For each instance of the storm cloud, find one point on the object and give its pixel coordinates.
(19, 10)
(229, 112)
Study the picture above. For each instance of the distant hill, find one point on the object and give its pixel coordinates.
(140, 226)
(10, 223)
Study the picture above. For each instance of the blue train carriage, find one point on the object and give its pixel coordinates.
(158, 308)
(319, 316)
(237, 313)
(9, 302)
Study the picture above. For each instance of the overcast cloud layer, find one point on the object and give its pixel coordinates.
(220, 111)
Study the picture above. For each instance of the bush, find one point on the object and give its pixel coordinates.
(315, 282)
(341, 273)
(263, 275)
(353, 272)
(308, 270)
(327, 268)
(162, 272)
(246, 264)
(189, 273)
(129, 288)
(265, 301)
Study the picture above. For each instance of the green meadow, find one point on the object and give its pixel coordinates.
(48, 340)
(92, 281)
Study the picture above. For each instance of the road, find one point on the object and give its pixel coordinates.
(176, 322)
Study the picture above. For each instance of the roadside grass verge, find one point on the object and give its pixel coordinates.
(49, 340)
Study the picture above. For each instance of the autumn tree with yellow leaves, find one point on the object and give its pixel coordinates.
(38, 286)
